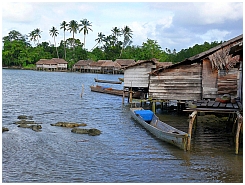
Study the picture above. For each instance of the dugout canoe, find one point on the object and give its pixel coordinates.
(107, 81)
(109, 90)
(158, 128)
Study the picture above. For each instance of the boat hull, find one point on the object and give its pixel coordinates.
(107, 81)
(162, 130)
(116, 92)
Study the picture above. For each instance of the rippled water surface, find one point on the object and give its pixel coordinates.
(124, 152)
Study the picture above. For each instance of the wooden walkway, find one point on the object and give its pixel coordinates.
(206, 105)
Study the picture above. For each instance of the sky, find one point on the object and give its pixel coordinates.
(174, 25)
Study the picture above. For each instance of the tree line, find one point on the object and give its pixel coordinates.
(18, 51)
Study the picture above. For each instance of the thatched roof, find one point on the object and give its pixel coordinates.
(97, 64)
(52, 61)
(83, 63)
(139, 62)
(125, 62)
(163, 64)
(110, 63)
(59, 60)
(219, 56)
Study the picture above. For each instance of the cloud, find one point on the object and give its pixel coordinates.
(18, 12)
(214, 34)
(173, 25)
(219, 12)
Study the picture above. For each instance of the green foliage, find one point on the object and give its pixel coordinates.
(18, 52)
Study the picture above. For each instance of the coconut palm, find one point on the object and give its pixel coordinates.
(32, 36)
(54, 32)
(63, 26)
(85, 26)
(38, 34)
(116, 32)
(127, 34)
(73, 27)
(100, 39)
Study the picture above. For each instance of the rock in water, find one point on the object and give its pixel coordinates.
(91, 132)
(4, 129)
(68, 124)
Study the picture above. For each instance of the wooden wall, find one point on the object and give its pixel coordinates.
(209, 80)
(138, 75)
(181, 82)
(227, 82)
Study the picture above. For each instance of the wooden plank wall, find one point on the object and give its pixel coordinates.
(182, 82)
(209, 80)
(138, 75)
(227, 82)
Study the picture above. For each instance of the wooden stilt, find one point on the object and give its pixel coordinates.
(154, 106)
(239, 124)
(192, 119)
(123, 95)
(130, 95)
(162, 105)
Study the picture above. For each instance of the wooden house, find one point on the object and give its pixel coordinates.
(61, 63)
(82, 66)
(110, 67)
(136, 76)
(207, 75)
(54, 64)
(125, 62)
(95, 67)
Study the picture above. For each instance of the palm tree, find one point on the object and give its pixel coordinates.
(54, 32)
(127, 34)
(116, 32)
(85, 27)
(37, 34)
(100, 39)
(63, 26)
(32, 36)
(73, 27)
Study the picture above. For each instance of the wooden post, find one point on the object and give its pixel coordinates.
(154, 106)
(192, 119)
(239, 124)
(130, 95)
(162, 105)
(123, 95)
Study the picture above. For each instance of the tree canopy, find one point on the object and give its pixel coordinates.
(18, 51)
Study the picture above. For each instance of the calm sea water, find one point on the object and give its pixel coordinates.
(124, 152)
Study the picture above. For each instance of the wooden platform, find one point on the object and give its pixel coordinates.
(213, 106)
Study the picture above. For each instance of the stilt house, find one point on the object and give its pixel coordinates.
(207, 75)
(82, 66)
(136, 76)
(125, 62)
(110, 67)
(95, 67)
(54, 64)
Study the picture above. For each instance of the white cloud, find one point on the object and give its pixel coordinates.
(219, 12)
(17, 12)
(172, 25)
(214, 34)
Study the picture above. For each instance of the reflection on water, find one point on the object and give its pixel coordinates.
(124, 152)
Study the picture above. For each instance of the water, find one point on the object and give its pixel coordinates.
(124, 152)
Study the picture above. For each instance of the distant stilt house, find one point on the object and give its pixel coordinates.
(54, 64)
(125, 62)
(110, 67)
(95, 67)
(207, 75)
(82, 66)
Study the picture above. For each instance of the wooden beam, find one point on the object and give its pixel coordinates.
(239, 125)
(192, 119)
